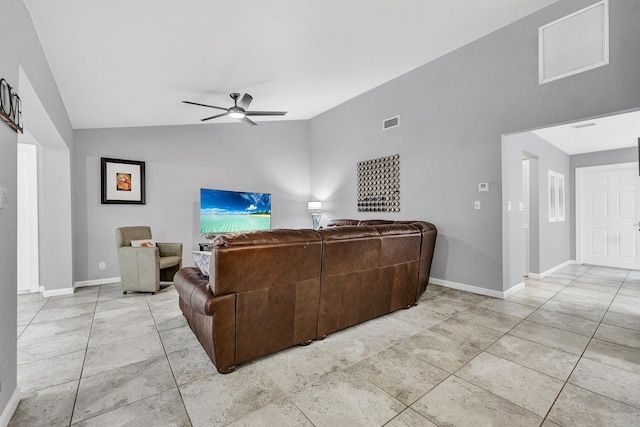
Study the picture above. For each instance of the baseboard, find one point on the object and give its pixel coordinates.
(551, 270)
(512, 290)
(10, 409)
(96, 282)
(81, 284)
(470, 288)
(57, 292)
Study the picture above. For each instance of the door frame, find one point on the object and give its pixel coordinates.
(526, 211)
(580, 171)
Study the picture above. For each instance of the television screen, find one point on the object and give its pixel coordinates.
(224, 211)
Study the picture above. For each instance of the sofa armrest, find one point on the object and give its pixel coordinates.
(193, 288)
(170, 249)
(211, 318)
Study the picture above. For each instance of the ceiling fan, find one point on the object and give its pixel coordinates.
(239, 109)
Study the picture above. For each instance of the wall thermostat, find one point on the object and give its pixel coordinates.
(483, 186)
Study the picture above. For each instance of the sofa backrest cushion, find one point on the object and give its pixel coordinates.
(342, 222)
(242, 262)
(349, 247)
(276, 276)
(399, 243)
(367, 271)
(375, 222)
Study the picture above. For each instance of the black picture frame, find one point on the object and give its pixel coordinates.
(122, 182)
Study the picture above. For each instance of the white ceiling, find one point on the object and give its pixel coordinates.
(121, 63)
(604, 133)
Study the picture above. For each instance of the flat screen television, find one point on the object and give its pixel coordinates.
(224, 211)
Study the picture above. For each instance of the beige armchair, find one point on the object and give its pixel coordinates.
(142, 269)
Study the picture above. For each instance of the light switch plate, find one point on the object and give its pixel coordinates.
(509, 206)
(477, 204)
(4, 198)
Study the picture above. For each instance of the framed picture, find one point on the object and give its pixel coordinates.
(122, 182)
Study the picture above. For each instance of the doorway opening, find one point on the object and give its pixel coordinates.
(49, 254)
(561, 151)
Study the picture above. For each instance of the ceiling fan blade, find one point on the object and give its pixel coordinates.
(213, 117)
(249, 121)
(245, 101)
(265, 113)
(205, 105)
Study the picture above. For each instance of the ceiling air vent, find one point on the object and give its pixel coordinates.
(393, 122)
(575, 43)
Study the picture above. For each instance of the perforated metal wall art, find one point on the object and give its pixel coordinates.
(379, 184)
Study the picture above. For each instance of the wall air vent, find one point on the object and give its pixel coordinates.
(575, 43)
(393, 122)
(585, 125)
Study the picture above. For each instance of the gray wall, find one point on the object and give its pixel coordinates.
(453, 112)
(20, 48)
(609, 157)
(549, 240)
(272, 157)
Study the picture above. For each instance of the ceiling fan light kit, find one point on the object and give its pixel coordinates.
(239, 110)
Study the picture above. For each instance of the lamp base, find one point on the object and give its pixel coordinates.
(315, 217)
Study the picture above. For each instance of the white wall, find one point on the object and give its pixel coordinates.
(453, 113)
(272, 157)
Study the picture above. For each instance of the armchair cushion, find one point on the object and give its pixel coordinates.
(146, 243)
(170, 249)
(169, 261)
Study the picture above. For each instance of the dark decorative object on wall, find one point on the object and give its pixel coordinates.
(10, 106)
(379, 184)
(122, 182)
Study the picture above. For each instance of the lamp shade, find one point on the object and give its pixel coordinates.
(314, 206)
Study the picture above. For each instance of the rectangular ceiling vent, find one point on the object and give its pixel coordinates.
(393, 122)
(575, 43)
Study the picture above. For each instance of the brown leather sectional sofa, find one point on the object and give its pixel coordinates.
(272, 289)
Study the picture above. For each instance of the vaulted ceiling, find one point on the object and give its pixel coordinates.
(121, 63)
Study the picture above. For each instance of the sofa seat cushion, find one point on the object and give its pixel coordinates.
(169, 261)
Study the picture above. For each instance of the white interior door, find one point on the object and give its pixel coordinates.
(608, 214)
(27, 205)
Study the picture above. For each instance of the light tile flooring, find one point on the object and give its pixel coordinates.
(564, 351)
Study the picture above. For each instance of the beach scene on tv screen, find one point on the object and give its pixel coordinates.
(224, 211)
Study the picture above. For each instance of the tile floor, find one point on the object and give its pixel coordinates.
(564, 351)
